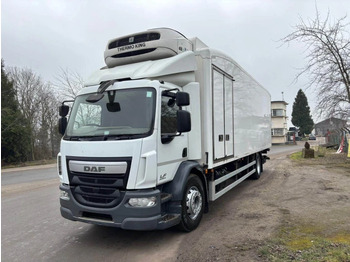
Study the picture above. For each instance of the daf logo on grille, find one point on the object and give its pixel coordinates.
(94, 168)
(131, 39)
(98, 167)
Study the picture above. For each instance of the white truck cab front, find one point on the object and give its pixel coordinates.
(109, 160)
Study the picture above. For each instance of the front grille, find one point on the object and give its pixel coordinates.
(98, 189)
(134, 40)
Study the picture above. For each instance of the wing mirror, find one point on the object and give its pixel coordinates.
(183, 121)
(63, 110)
(62, 125)
(182, 99)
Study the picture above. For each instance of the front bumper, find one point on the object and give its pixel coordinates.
(123, 215)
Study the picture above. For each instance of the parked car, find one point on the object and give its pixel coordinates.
(312, 137)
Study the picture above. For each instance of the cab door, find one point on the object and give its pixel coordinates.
(172, 148)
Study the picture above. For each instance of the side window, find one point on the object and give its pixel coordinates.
(88, 115)
(169, 116)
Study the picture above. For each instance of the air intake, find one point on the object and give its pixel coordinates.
(150, 45)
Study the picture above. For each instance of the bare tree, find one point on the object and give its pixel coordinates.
(28, 85)
(38, 102)
(69, 82)
(48, 121)
(327, 48)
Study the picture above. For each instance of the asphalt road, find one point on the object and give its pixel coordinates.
(28, 174)
(33, 229)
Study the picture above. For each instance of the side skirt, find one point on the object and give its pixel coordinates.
(216, 191)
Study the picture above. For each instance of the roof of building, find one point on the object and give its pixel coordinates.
(331, 119)
(282, 102)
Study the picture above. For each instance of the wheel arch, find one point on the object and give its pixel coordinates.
(177, 185)
(202, 177)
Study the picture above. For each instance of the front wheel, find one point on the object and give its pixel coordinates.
(192, 204)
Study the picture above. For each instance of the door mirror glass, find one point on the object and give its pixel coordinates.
(63, 110)
(183, 121)
(182, 99)
(62, 125)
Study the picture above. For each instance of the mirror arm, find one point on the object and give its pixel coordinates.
(67, 101)
(168, 93)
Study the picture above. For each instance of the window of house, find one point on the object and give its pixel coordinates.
(277, 112)
(277, 131)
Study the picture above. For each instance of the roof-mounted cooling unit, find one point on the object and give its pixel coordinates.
(149, 45)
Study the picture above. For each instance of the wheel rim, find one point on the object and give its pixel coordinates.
(193, 202)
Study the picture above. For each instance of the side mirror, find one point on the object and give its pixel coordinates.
(182, 99)
(63, 110)
(62, 125)
(183, 121)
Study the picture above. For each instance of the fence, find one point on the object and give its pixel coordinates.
(339, 137)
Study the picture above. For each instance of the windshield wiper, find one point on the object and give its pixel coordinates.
(105, 137)
(86, 138)
(123, 136)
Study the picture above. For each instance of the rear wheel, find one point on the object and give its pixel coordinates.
(258, 167)
(192, 204)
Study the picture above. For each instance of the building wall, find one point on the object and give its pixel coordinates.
(329, 124)
(279, 122)
(278, 140)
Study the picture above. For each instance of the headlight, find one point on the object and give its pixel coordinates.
(143, 202)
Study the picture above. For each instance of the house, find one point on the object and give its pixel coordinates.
(330, 124)
(279, 122)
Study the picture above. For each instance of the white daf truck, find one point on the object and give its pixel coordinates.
(167, 126)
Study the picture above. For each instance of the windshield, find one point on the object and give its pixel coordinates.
(120, 114)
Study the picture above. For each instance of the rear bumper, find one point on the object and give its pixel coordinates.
(123, 215)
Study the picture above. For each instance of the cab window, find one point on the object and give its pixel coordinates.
(169, 116)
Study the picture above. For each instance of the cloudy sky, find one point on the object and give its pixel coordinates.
(46, 35)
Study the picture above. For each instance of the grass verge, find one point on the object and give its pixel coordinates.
(297, 240)
(307, 242)
(326, 157)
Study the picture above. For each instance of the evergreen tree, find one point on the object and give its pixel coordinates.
(14, 129)
(301, 117)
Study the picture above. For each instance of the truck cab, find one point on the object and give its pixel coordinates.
(119, 148)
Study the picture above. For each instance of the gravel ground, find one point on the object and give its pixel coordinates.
(312, 191)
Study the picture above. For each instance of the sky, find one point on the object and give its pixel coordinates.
(46, 35)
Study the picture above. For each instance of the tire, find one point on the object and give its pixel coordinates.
(192, 204)
(258, 167)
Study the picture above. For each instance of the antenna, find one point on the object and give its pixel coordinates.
(282, 96)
